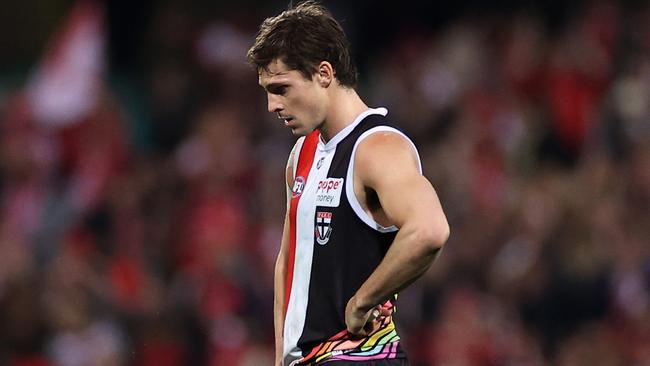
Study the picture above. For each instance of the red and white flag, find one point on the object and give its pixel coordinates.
(67, 83)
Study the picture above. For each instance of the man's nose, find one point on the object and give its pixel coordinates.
(274, 104)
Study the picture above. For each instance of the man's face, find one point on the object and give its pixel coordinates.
(300, 102)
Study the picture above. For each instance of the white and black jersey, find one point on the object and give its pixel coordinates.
(334, 246)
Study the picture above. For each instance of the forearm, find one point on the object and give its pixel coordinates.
(408, 258)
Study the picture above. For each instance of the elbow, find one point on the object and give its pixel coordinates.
(433, 238)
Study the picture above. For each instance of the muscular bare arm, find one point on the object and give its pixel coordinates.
(386, 163)
(281, 270)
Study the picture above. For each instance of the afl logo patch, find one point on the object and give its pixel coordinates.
(298, 186)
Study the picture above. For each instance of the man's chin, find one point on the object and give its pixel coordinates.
(297, 131)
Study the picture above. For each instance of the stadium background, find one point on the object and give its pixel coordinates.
(142, 191)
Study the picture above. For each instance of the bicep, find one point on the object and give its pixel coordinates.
(389, 165)
(289, 176)
(416, 204)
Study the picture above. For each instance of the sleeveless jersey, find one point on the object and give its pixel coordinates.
(334, 247)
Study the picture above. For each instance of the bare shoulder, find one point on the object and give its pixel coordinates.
(292, 161)
(387, 163)
(385, 153)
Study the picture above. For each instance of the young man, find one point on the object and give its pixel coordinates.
(362, 222)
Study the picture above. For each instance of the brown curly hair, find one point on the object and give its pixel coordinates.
(302, 37)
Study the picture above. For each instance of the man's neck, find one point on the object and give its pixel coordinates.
(345, 106)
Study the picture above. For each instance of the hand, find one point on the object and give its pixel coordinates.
(362, 323)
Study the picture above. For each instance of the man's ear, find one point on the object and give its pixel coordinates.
(325, 74)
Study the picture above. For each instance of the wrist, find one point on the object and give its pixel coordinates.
(360, 304)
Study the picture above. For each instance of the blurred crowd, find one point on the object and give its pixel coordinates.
(144, 232)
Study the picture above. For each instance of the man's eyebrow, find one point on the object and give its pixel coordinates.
(280, 73)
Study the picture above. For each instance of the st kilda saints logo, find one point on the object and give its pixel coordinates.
(323, 227)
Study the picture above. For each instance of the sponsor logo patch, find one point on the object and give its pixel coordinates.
(323, 227)
(328, 192)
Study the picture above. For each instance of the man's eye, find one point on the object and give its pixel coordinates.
(279, 90)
